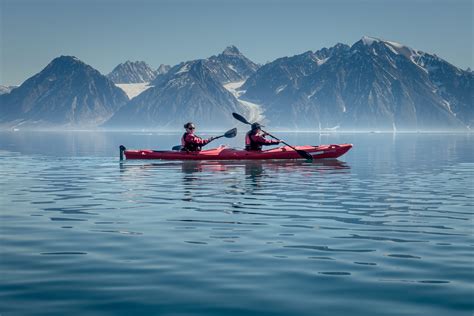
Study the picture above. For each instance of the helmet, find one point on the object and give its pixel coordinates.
(256, 126)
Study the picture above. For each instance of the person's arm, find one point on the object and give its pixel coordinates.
(263, 141)
(198, 140)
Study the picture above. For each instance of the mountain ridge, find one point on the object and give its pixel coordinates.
(189, 91)
(373, 84)
(132, 72)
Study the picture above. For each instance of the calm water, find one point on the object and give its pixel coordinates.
(385, 230)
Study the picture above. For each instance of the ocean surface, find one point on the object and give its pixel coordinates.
(387, 229)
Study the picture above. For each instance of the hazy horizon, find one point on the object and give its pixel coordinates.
(217, 130)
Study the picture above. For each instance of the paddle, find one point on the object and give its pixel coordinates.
(302, 153)
(229, 134)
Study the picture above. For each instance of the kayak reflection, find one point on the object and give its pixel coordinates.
(256, 171)
(253, 170)
(201, 179)
(251, 167)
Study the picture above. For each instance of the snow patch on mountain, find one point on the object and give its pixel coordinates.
(254, 111)
(233, 87)
(6, 89)
(183, 69)
(322, 61)
(399, 49)
(280, 88)
(134, 89)
(232, 67)
(367, 40)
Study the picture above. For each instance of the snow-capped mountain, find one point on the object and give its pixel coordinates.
(190, 91)
(231, 65)
(373, 84)
(67, 92)
(132, 72)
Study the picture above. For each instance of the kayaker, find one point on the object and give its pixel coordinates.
(191, 142)
(255, 138)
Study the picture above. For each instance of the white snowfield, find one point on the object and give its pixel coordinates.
(322, 61)
(396, 48)
(6, 89)
(254, 111)
(133, 89)
(183, 69)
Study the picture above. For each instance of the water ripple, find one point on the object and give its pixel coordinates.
(84, 234)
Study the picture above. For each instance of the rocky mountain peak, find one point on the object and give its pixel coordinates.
(231, 50)
(162, 69)
(67, 60)
(66, 64)
(67, 92)
(132, 72)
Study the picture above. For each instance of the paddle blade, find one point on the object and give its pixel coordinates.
(231, 133)
(240, 118)
(305, 155)
(177, 147)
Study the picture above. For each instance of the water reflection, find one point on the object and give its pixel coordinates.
(253, 170)
(257, 168)
(231, 177)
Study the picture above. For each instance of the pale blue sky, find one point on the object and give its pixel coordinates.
(104, 33)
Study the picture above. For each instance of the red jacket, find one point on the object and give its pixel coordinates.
(255, 141)
(191, 142)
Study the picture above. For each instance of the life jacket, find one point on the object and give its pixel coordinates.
(250, 144)
(188, 146)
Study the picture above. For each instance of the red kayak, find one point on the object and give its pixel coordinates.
(226, 153)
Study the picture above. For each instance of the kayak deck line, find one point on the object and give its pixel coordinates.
(228, 153)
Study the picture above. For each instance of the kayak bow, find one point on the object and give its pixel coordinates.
(226, 153)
